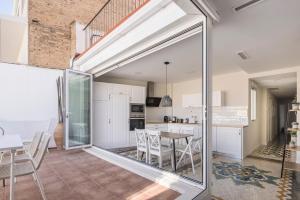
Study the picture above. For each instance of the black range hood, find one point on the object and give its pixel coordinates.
(152, 101)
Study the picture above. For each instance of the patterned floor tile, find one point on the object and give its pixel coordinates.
(242, 175)
(289, 186)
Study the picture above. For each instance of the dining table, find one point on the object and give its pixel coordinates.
(11, 143)
(175, 136)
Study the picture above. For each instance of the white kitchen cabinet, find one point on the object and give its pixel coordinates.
(111, 122)
(214, 138)
(121, 89)
(111, 114)
(192, 100)
(217, 98)
(137, 95)
(120, 120)
(132, 138)
(102, 128)
(195, 100)
(229, 141)
(174, 128)
(157, 127)
(101, 91)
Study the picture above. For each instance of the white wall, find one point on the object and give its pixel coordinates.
(252, 137)
(27, 94)
(23, 51)
(12, 31)
(234, 86)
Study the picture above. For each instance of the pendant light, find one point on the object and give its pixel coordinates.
(166, 100)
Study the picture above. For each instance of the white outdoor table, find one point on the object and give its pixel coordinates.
(11, 143)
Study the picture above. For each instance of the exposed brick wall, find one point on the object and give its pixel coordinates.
(50, 29)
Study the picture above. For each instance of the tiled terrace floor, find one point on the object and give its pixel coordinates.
(77, 175)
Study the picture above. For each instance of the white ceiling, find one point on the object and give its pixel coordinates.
(185, 58)
(284, 85)
(267, 31)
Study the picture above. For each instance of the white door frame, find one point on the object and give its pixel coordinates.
(66, 109)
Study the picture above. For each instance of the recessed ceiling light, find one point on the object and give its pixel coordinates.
(247, 4)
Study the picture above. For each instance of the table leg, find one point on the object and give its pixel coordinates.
(174, 154)
(12, 182)
(186, 139)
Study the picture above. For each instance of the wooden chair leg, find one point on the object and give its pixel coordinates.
(3, 182)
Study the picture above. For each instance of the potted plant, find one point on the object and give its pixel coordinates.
(293, 142)
(59, 130)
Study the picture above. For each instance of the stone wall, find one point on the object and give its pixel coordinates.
(50, 29)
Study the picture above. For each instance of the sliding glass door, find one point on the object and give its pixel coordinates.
(78, 118)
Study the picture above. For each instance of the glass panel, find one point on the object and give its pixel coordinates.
(79, 109)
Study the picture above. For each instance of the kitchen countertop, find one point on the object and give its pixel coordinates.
(214, 124)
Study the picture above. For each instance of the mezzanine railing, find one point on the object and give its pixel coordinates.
(113, 13)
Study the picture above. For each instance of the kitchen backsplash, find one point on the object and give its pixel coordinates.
(230, 115)
(221, 115)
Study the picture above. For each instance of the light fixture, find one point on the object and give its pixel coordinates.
(166, 100)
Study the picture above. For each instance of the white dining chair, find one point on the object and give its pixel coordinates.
(156, 149)
(141, 144)
(193, 147)
(29, 166)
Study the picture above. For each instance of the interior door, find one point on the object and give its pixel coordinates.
(78, 117)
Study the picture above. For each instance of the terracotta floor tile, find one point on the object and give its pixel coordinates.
(77, 175)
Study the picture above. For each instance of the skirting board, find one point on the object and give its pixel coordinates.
(188, 189)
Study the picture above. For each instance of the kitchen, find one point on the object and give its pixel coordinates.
(158, 94)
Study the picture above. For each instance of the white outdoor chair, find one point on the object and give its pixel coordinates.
(155, 148)
(141, 143)
(193, 147)
(29, 166)
(29, 150)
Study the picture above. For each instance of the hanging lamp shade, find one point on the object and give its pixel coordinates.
(166, 100)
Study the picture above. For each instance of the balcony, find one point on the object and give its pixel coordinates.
(110, 16)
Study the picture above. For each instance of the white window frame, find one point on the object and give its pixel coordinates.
(253, 105)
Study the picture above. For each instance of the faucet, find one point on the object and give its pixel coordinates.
(2, 130)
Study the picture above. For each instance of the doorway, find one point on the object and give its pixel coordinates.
(277, 92)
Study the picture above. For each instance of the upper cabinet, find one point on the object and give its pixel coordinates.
(217, 98)
(195, 100)
(138, 94)
(192, 100)
(121, 89)
(101, 91)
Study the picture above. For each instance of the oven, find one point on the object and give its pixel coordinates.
(136, 123)
(137, 110)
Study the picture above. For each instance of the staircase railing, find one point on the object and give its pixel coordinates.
(113, 13)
